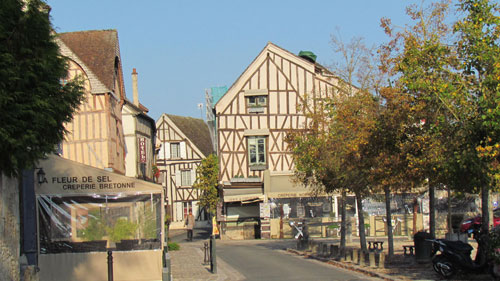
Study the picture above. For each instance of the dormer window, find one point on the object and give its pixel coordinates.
(256, 100)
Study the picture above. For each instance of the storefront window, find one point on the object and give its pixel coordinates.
(97, 222)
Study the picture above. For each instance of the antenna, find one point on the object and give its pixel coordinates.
(200, 107)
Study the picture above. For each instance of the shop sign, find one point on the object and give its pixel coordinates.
(265, 210)
(142, 150)
(89, 183)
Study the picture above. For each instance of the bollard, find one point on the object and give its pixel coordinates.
(110, 265)
(166, 273)
(206, 259)
(348, 257)
(372, 259)
(381, 260)
(362, 256)
(355, 255)
(213, 258)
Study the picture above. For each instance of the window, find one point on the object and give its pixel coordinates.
(257, 150)
(187, 206)
(186, 178)
(175, 150)
(257, 101)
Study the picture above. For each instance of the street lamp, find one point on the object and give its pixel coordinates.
(41, 176)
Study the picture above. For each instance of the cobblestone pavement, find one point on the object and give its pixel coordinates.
(187, 264)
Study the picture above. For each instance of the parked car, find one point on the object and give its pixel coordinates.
(476, 221)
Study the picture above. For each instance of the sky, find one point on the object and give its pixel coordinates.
(182, 48)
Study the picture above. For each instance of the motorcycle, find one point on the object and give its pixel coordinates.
(456, 256)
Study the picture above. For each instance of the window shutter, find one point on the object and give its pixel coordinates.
(178, 180)
(162, 151)
(193, 176)
(183, 149)
(167, 150)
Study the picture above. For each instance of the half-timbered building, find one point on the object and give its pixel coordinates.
(253, 118)
(139, 131)
(95, 135)
(183, 142)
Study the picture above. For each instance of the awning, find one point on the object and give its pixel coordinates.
(244, 198)
(64, 177)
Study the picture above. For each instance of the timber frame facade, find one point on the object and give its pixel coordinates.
(253, 119)
(182, 143)
(95, 135)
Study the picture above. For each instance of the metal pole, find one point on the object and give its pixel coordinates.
(206, 259)
(213, 259)
(110, 265)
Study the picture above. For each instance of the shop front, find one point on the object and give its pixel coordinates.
(84, 212)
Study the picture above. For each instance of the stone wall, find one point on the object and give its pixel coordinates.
(9, 228)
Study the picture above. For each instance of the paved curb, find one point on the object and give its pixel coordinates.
(344, 265)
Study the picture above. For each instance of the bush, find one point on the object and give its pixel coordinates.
(172, 246)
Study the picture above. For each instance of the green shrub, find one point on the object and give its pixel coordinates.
(172, 246)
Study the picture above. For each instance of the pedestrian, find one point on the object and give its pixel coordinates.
(190, 225)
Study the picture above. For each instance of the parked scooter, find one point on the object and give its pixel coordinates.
(456, 256)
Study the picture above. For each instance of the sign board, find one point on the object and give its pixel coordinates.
(265, 210)
(142, 150)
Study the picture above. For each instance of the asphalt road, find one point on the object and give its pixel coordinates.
(268, 261)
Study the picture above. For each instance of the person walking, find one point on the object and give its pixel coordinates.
(190, 225)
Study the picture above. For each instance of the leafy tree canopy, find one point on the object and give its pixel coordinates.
(33, 103)
(207, 181)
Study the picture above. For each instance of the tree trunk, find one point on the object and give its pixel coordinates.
(343, 219)
(450, 229)
(432, 210)
(388, 215)
(485, 201)
(361, 222)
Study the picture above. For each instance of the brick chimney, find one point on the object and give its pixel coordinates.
(135, 90)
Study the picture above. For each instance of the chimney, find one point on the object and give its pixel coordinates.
(135, 90)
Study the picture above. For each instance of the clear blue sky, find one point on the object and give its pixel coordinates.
(180, 48)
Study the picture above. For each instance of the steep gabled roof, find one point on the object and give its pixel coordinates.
(97, 49)
(269, 48)
(196, 130)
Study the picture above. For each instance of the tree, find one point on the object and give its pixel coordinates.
(34, 105)
(329, 153)
(425, 72)
(207, 182)
(478, 48)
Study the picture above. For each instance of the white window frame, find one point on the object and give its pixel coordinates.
(254, 141)
(186, 178)
(175, 150)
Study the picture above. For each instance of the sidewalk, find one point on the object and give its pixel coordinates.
(400, 267)
(187, 264)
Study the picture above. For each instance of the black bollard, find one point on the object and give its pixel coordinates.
(206, 259)
(213, 259)
(110, 265)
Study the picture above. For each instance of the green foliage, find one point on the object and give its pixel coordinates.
(122, 229)
(207, 182)
(479, 52)
(173, 246)
(95, 229)
(147, 224)
(33, 103)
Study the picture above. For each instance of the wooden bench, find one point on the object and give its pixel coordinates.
(410, 248)
(375, 246)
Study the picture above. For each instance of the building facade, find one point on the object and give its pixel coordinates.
(253, 119)
(139, 131)
(95, 135)
(182, 142)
